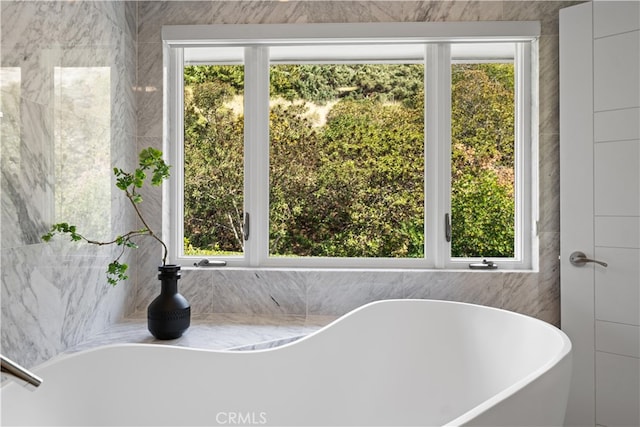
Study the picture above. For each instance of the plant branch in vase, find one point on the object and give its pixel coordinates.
(169, 314)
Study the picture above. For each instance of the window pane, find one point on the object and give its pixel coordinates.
(347, 160)
(483, 167)
(213, 160)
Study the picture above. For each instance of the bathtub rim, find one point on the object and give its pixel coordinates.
(557, 359)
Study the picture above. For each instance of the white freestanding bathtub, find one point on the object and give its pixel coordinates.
(391, 363)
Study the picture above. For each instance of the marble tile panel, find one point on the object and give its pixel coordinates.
(144, 142)
(338, 11)
(260, 12)
(196, 286)
(84, 24)
(438, 11)
(520, 293)
(149, 110)
(10, 198)
(149, 90)
(549, 278)
(31, 312)
(480, 287)
(25, 172)
(265, 292)
(33, 65)
(150, 67)
(124, 78)
(75, 24)
(417, 284)
(549, 183)
(387, 11)
(88, 309)
(336, 292)
(120, 13)
(24, 22)
(549, 85)
(131, 17)
(152, 15)
(45, 24)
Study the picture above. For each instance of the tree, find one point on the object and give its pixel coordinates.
(213, 182)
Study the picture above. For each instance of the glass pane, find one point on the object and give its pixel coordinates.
(347, 160)
(483, 167)
(213, 160)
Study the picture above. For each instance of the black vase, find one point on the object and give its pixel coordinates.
(169, 315)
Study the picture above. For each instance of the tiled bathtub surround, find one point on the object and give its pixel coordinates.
(321, 292)
(55, 296)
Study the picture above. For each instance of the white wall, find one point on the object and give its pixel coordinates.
(616, 74)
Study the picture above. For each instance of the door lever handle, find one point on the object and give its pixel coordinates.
(579, 259)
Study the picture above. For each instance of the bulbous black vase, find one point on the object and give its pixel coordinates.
(169, 315)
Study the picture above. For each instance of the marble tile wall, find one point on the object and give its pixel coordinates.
(324, 292)
(67, 85)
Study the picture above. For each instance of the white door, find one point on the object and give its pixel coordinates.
(600, 208)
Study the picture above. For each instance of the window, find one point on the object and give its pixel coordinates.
(368, 145)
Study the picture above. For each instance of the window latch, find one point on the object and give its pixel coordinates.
(210, 263)
(484, 265)
(246, 226)
(447, 227)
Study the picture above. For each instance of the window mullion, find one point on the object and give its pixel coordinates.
(173, 147)
(437, 151)
(256, 145)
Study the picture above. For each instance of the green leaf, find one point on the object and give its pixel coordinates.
(116, 272)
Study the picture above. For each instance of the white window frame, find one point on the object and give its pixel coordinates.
(256, 38)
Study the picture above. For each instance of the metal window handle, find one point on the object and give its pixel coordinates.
(484, 265)
(447, 227)
(579, 259)
(210, 263)
(246, 226)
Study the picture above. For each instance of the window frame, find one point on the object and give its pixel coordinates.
(436, 37)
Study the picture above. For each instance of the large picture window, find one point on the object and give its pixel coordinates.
(329, 145)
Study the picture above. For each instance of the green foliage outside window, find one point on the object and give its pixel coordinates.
(350, 184)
